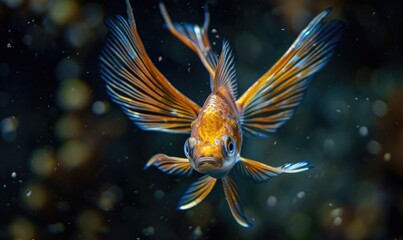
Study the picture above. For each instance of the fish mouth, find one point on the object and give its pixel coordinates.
(207, 161)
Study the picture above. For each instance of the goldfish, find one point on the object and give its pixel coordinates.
(217, 128)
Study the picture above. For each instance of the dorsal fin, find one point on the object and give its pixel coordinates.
(225, 72)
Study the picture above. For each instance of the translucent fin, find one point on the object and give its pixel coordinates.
(232, 196)
(133, 81)
(170, 165)
(259, 172)
(197, 192)
(225, 74)
(195, 37)
(272, 100)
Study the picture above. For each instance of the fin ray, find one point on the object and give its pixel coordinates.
(225, 72)
(134, 82)
(232, 196)
(272, 99)
(197, 192)
(170, 165)
(195, 37)
(260, 172)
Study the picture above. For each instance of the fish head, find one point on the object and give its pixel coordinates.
(214, 148)
(215, 159)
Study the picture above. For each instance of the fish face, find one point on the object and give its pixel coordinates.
(215, 159)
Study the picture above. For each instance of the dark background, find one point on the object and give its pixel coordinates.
(71, 163)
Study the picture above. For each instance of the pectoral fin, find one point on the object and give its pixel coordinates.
(232, 196)
(170, 165)
(260, 172)
(272, 100)
(197, 192)
(134, 82)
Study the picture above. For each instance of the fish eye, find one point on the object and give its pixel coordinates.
(187, 148)
(229, 145)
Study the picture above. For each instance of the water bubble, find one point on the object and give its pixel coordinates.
(301, 194)
(329, 144)
(159, 194)
(43, 162)
(62, 11)
(107, 200)
(380, 108)
(363, 131)
(337, 221)
(387, 157)
(13, 174)
(197, 233)
(271, 201)
(374, 147)
(74, 153)
(100, 107)
(77, 35)
(9, 128)
(73, 94)
(336, 212)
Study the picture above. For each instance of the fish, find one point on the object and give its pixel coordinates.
(217, 128)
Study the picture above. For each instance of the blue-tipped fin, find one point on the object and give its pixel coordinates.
(259, 172)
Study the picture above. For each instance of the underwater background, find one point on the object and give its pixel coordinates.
(71, 164)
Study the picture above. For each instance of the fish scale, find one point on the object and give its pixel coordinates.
(211, 119)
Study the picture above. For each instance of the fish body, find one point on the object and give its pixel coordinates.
(217, 128)
(216, 137)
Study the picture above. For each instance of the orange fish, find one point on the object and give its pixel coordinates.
(216, 129)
